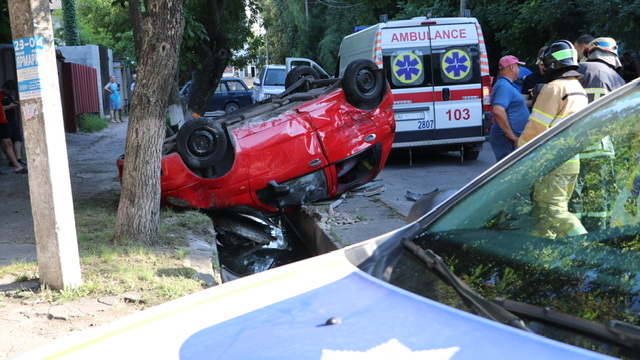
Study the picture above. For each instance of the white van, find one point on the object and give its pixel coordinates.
(438, 71)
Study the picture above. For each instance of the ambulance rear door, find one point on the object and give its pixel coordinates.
(435, 76)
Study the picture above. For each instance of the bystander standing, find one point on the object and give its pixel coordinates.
(508, 107)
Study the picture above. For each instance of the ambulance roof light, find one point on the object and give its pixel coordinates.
(384, 18)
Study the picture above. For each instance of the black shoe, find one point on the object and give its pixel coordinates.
(22, 171)
(19, 162)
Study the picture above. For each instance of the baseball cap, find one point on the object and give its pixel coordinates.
(508, 60)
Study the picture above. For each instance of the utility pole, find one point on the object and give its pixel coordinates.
(49, 184)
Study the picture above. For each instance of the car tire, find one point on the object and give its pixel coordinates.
(298, 73)
(364, 84)
(470, 154)
(231, 107)
(201, 143)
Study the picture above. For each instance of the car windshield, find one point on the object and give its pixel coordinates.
(503, 246)
(275, 77)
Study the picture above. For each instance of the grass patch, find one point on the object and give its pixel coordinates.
(90, 123)
(158, 274)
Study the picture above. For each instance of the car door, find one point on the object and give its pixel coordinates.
(219, 97)
(457, 82)
(238, 92)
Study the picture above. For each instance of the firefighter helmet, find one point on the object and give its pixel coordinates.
(561, 55)
(604, 49)
(605, 44)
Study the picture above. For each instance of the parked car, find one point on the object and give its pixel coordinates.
(317, 140)
(230, 95)
(271, 78)
(269, 82)
(468, 280)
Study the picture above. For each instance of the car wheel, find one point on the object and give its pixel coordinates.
(231, 107)
(470, 154)
(298, 73)
(364, 84)
(201, 143)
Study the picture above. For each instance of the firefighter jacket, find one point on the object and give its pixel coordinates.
(557, 100)
(599, 79)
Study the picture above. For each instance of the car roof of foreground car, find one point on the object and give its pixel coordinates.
(323, 307)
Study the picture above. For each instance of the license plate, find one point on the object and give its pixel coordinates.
(413, 125)
(409, 116)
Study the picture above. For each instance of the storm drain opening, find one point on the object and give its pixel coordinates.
(252, 243)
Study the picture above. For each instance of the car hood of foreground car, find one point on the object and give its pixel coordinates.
(320, 308)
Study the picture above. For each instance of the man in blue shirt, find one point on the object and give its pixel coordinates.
(510, 113)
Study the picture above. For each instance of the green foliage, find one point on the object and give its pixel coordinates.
(316, 31)
(5, 25)
(521, 27)
(71, 35)
(90, 123)
(101, 22)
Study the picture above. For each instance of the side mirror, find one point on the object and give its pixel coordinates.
(256, 81)
(428, 202)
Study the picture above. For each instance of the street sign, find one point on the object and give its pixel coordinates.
(28, 53)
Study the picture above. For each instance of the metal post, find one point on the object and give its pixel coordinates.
(49, 184)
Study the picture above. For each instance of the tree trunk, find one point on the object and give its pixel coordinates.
(214, 54)
(139, 208)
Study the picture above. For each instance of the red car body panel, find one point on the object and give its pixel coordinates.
(311, 136)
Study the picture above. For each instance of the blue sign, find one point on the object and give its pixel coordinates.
(28, 54)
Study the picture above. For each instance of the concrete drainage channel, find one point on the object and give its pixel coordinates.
(246, 245)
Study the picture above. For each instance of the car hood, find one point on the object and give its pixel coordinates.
(272, 89)
(320, 308)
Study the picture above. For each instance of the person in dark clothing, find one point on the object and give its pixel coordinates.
(629, 69)
(5, 137)
(592, 199)
(533, 82)
(9, 89)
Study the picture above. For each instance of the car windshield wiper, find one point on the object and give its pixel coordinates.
(484, 307)
(615, 331)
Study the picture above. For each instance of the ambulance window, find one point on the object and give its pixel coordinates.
(407, 68)
(456, 65)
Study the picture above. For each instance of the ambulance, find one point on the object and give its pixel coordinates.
(438, 70)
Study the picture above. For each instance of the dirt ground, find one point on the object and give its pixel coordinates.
(25, 322)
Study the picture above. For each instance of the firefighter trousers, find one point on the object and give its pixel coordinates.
(550, 213)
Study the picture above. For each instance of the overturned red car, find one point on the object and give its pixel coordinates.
(318, 139)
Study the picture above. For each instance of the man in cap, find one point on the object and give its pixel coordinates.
(592, 199)
(560, 97)
(508, 107)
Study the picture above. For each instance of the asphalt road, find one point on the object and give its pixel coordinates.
(360, 216)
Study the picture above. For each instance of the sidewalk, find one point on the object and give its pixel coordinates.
(92, 169)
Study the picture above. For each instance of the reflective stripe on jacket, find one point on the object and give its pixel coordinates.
(557, 100)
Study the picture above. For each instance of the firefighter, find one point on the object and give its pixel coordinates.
(595, 190)
(560, 97)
